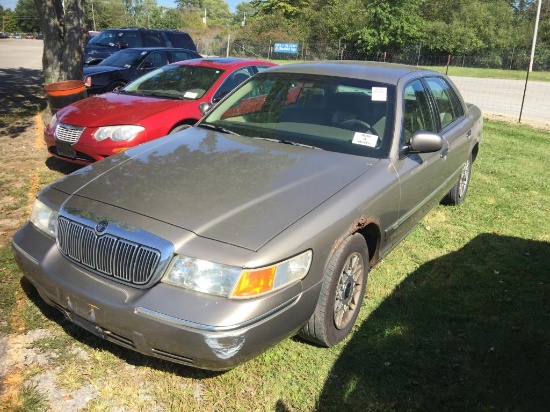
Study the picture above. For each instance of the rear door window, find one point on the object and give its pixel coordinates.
(446, 99)
(181, 40)
(181, 55)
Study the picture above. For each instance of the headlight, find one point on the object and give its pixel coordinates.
(53, 121)
(232, 281)
(44, 218)
(117, 133)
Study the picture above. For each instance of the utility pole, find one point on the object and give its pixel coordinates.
(535, 37)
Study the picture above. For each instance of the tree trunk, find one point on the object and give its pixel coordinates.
(63, 26)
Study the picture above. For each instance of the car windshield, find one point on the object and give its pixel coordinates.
(338, 114)
(176, 82)
(123, 58)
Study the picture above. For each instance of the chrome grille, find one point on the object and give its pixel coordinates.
(67, 133)
(122, 259)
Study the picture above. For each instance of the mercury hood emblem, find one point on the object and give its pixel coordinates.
(101, 226)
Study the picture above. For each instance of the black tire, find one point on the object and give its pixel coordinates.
(179, 128)
(458, 192)
(342, 293)
(113, 85)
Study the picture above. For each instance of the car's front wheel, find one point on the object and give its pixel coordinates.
(115, 85)
(341, 294)
(180, 128)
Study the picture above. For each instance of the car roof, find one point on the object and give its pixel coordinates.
(376, 71)
(225, 63)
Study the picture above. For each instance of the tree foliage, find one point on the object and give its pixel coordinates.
(27, 16)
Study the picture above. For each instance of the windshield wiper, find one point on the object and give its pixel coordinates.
(216, 128)
(283, 141)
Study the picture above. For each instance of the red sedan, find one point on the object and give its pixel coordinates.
(159, 103)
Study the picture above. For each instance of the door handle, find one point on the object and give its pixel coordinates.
(468, 134)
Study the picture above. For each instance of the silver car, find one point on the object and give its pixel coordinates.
(208, 246)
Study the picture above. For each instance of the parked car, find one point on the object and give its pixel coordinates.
(17, 36)
(29, 36)
(39, 36)
(260, 221)
(3, 35)
(159, 103)
(126, 65)
(110, 41)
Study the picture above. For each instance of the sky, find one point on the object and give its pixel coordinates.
(10, 4)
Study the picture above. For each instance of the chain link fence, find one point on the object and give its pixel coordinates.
(514, 58)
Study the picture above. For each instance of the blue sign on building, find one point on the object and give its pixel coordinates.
(286, 48)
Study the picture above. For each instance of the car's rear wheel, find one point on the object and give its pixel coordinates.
(341, 294)
(459, 190)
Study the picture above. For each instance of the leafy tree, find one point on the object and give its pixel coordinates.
(218, 13)
(64, 29)
(27, 16)
(469, 25)
(389, 24)
(104, 14)
(334, 20)
(289, 9)
(9, 21)
(264, 28)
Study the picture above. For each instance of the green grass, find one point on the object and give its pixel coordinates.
(456, 318)
(492, 73)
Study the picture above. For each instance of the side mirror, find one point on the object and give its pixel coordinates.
(205, 107)
(425, 142)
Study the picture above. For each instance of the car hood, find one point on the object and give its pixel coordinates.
(233, 189)
(114, 108)
(91, 70)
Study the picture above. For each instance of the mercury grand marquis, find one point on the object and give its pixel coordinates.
(261, 221)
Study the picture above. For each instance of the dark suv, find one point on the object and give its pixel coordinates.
(110, 41)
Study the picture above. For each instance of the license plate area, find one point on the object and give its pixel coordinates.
(84, 324)
(65, 149)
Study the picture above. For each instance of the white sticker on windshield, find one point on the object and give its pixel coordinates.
(365, 139)
(379, 94)
(190, 95)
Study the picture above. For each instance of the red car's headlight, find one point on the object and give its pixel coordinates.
(117, 133)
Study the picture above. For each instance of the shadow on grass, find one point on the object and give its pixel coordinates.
(467, 331)
(22, 96)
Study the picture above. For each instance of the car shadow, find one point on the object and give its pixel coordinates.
(62, 166)
(467, 331)
(22, 96)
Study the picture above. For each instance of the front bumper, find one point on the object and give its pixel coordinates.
(151, 321)
(85, 152)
